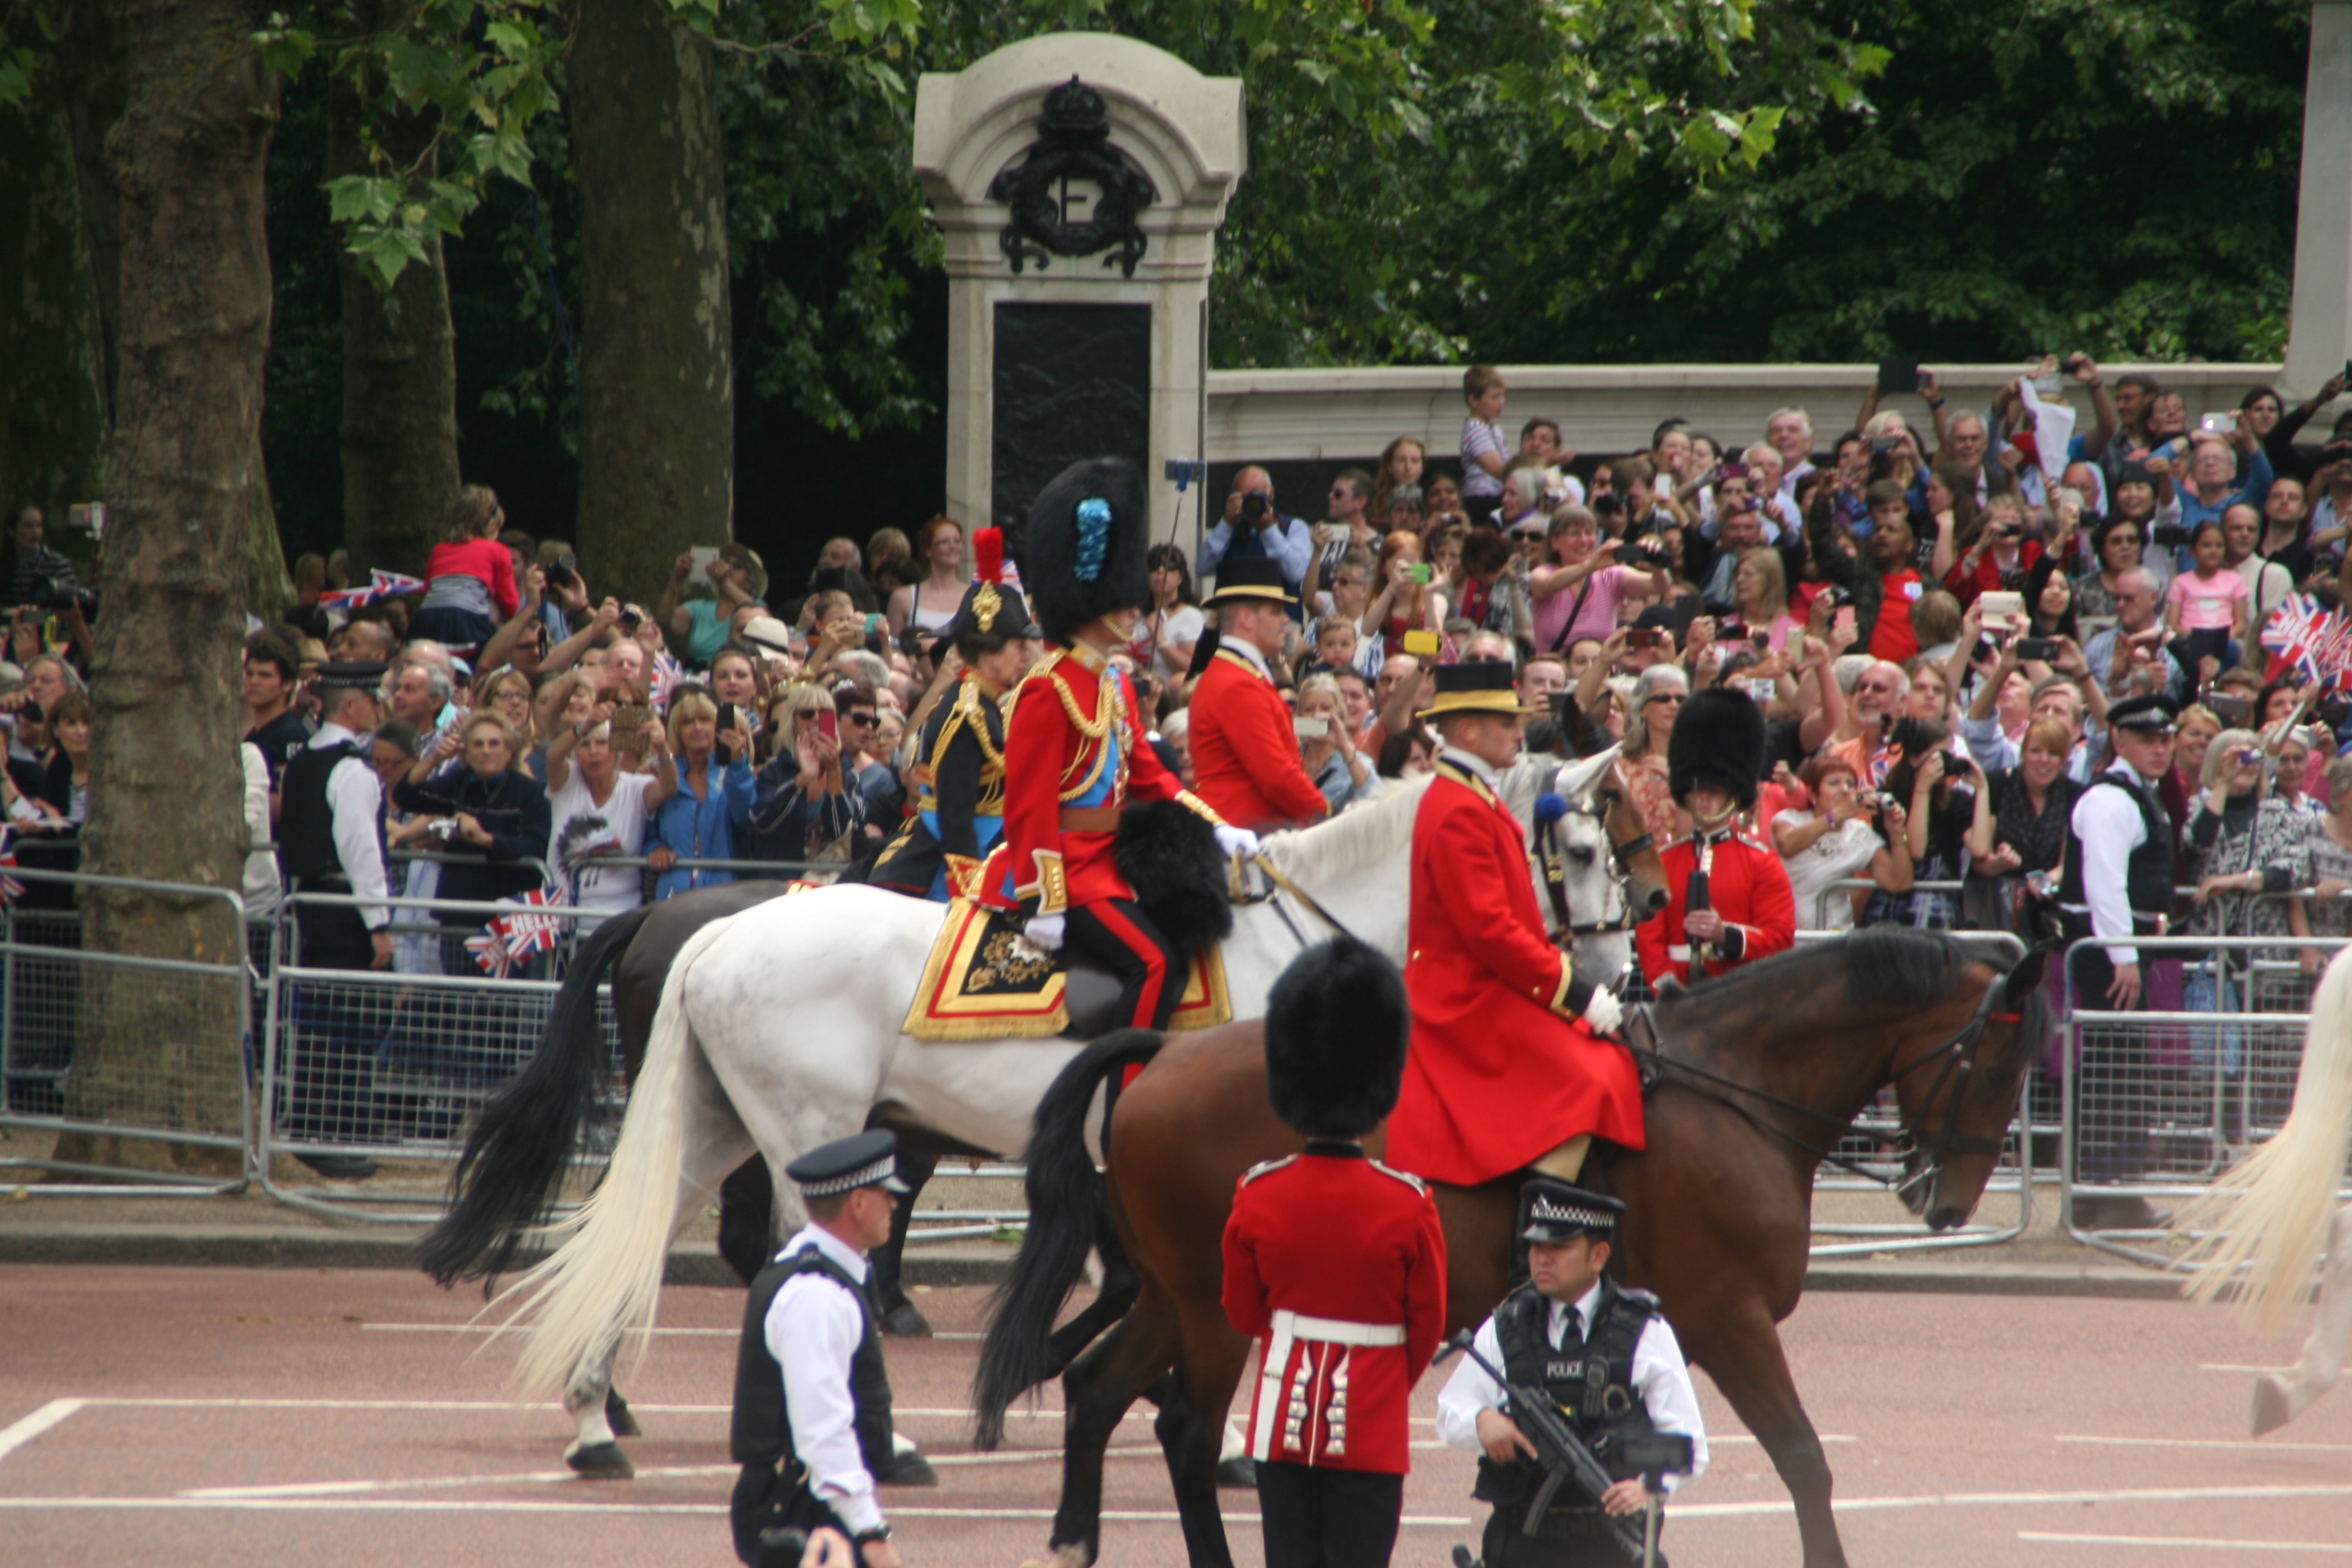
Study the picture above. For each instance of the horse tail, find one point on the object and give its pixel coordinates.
(606, 1274)
(1066, 1213)
(2277, 1203)
(516, 1153)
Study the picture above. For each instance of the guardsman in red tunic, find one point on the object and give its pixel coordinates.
(1245, 748)
(1336, 1265)
(1075, 752)
(1509, 1069)
(1731, 903)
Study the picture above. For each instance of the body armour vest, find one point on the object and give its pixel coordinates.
(306, 822)
(1592, 1383)
(2147, 876)
(762, 1429)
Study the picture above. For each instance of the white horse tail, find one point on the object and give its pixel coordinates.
(605, 1276)
(2277, 1203)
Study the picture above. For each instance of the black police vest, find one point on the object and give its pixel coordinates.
(762, 1429)
(306, 822)
(2147, 876)
(1592, 1383)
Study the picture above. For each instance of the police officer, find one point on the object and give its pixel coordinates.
(960, 805)
(1545, 1335)
(2117, 885)
(1336, 1265)
(1245, 751)
(330, 840)
(812, 1423)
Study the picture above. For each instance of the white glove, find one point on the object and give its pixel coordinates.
(1045, 931)
(1603, 1013)
(1236, 840)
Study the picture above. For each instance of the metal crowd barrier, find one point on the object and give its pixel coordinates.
(120, 1047)
(2161, 1102)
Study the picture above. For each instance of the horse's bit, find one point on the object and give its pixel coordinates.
(1549, 854)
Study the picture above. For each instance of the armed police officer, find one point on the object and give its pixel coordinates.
(960, 807)
(330, 840)
(1607, 1359)
(811, 1424)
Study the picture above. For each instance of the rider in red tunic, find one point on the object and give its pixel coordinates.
(1336, 1265)
(1075, 752)
(1508, 1067)
(1730, 901)
(1246, 751)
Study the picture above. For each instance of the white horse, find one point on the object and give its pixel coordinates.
(779, 1030)
(2275, 1207)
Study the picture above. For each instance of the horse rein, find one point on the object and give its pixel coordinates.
(1957, 1054)
(1273, 875)
(1549, 854)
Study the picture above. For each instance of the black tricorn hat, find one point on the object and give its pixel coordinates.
(990, 607)
(1084, 553)
(1336, 1024)
(1718, 740)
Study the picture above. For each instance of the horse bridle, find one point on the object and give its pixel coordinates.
(1958, 1055)
(1549, 853)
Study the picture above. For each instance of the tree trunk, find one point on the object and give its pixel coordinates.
(657, 385)
(52, 401)
(155, 1049)
(400, 358)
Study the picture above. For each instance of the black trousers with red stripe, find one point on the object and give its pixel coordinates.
(1117, 936)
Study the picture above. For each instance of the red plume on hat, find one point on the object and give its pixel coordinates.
(988, 551)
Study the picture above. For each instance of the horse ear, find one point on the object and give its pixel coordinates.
(1575, 780)
(2026, 978)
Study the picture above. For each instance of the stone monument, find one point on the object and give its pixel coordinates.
(2320, 342)
(1079, 178)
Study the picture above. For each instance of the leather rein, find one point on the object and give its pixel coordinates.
(1956, 1059)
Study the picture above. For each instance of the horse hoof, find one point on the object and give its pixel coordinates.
(908, 1470)
(601, 1462)
(2271, 1410)
(906, 1321)
(618, 1417)
(1237, 1475)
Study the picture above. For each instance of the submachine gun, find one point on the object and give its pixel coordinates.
(1563, 1457)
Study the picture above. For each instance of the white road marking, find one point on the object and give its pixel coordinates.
(22, 1432)
(353, 1489)
(2226, 1366)
(2213, 1442)
(487, 1328)
(2335, 1547)
(2007, 1500)
(495, 1506)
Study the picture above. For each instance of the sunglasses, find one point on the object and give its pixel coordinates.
(859, 718)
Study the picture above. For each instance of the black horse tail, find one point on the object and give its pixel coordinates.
(1067, 1211)
(509, 1177)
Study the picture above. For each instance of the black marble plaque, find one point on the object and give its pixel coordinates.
(1072, 382)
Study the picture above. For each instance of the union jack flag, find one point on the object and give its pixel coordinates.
(2311, 640)
(488, 946)
(10, 888)
(531, 934)
(381, 584)
(667, 675)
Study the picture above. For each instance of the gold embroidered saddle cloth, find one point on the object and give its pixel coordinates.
(987, 981)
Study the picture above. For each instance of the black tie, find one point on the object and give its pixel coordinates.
(1571, 1327)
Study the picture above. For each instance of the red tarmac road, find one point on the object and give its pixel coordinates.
(254, 1419)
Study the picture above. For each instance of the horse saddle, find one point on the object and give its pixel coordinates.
(987, 981)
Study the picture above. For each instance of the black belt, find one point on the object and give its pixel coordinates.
(1574, 1525)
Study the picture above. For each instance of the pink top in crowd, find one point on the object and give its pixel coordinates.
(2204, 602)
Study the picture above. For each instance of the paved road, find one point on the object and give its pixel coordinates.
(241, 1418)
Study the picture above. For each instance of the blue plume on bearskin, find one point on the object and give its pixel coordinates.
(1085, 552)
(1337, 1026)
(1168, 853)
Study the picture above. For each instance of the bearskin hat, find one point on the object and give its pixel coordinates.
(1083, 554)
(1718, 740)
(1337, 1024)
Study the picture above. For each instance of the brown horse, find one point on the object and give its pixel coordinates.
(1758, 1073)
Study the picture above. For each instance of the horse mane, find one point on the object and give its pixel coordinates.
(1884, 966)
(1366, 832)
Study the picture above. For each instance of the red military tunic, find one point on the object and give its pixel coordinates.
(1074, 754)
(1746, 885)
(1245, 753)
(1336, 1265)
(1499, 1072)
